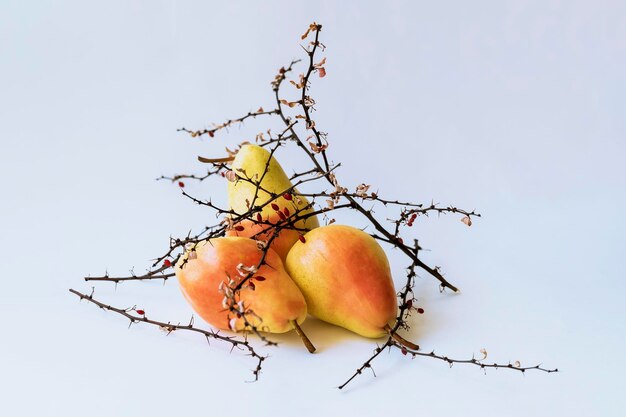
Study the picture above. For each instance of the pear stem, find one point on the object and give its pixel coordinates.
(215, 160)
(303, 336)
(400, 339)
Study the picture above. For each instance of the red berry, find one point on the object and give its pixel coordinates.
(181, 184)
(167, 263)
(420, 310)
(404, 351)
(259, 278)
(141, 312)
(251, 285)
(239, 228)
(275, 207)
(286, 211)
(281, 215)
(409, 304)
(302, 239)
(400, 240)
(211, 133)
(287, 196)
(259, 218)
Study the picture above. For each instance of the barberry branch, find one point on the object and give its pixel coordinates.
(227, 123)
(139, 316)
(331, 196)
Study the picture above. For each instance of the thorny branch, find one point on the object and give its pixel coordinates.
(139, 316)
(329, 198)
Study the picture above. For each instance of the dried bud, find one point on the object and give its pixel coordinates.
(322, 72)
(246, 270)
(289, 103)
(361, 190)
(467, 221)
(228, 222)
(315, 148)
(230, 176)
(484, 352)
(312, 27)
(193, 254)
(232, 324)
(518, 364)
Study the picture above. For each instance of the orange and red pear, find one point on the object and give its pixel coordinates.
(207, 271)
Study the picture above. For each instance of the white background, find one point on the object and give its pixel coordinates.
(515, 109)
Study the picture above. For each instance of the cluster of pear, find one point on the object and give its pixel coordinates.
(336, 273)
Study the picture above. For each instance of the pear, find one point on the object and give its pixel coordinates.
(263, 232)
(249, 166)
(346, 280)
(208, 271)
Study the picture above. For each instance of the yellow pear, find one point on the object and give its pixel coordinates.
(254, 165)
(345, 278)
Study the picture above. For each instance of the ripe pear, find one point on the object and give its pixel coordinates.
(346, 280)
(249, 166)
(263, 232)
(207, 271)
